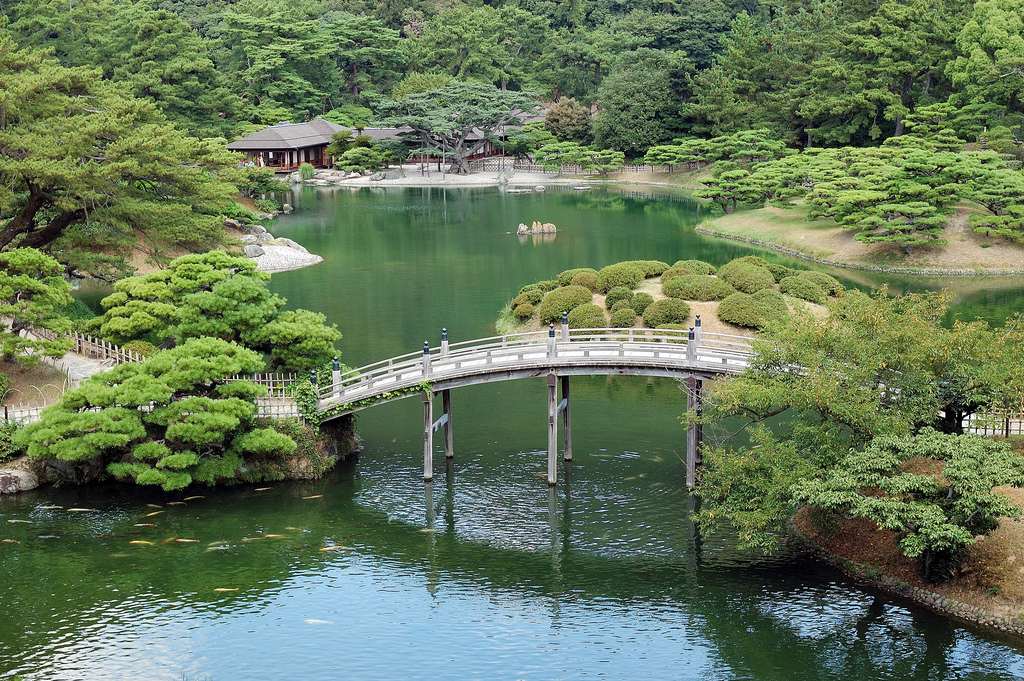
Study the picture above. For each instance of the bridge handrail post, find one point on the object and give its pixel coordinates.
(551, 340)
(565, 326)
(698, 330)
(426, 359)
(336, 376)
(444, 341)
(691, 347)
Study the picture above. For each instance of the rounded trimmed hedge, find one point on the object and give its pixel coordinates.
(640, 302)
(695, 267)
(746, 277)
(697, 287)
(565, 278)
(780, 272)
(621, 304)
(624, 318)
(616, 294)
(650, 268)
(805, 289)
(587, 316)
(620, 274)
(523, 312)
(668, 311)
(586, 280)
(562, 299)
(829, 284)
(753, 311)
(533, 297)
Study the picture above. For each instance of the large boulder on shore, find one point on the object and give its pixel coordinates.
(14, 481)
(253, 250)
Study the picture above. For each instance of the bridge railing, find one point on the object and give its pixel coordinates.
(529, 347)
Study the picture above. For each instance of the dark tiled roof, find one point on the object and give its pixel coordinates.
(301, 135)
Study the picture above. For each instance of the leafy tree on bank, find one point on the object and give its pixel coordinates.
(84, 169)
(527, 140)
(459, 118)
(216, 295)
(170, 421)
(875, 366)
(32, 290)
(990, 63)
(569, 121)
(937, 515)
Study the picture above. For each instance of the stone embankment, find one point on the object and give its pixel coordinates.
(272, 254)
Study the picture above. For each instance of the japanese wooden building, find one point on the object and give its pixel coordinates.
(286, 146)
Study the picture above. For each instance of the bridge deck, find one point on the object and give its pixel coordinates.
(662, 352)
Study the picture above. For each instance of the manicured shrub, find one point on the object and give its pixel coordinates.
(587, 316)
(697, 287)
(616, 294)
(641, 301)
(780, 272)
(523, 312)
(624, 304)
(533, 297)
(141, 347)
(674, 272)
(753, 311)
(752, 260)
(563, 299)
(829, 284)
(805, 289)
(668, 311)
(547, 285)
(695, 267)
(650, 268)
(620, 274)
(586, 280)
(565, 278)
(745, 276)
(624, 318)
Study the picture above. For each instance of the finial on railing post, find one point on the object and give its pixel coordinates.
(691, 346)
(312, 377)
(335, 364)
(426, 359)
(565, 326)
(444, 341)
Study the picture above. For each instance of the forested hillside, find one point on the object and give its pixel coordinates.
(813, 73)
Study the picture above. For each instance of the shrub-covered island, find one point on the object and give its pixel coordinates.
(740, 297)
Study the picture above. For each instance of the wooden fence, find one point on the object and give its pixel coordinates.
(1002, 424)
(94, 348)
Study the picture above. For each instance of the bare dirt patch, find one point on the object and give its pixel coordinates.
(41, 383)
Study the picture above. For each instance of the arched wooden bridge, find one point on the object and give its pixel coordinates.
(691, 355)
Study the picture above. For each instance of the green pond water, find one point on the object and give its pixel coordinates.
(485, 573)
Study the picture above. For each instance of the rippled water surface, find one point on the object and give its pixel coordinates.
(486, 572)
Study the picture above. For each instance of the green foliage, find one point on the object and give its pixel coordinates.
(697, 287)
(33, 292)
(640, 301)
(828, 284)
(141, 347)
(586, 316)
(620, 274)
(569, 121)
(623, 318)
(695, 267)
(563, 299)
(358, 159)
(937, 515)
(307, 171)
(217, 295)
(267, 205)
(532, 296)
(746, 277)
(616, 294)
(415, 82)
(8, 449)
(95, 164)
(753, 311)
(523, 311)
(623, 304)
(166, 421)
(802, 288)
(667, 311)
(5, 386)
(587, 280)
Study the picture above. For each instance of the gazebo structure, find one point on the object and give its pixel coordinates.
(285, 146)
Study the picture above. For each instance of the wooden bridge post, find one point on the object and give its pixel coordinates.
(566, 421)
(698, 331)
(449, 439)
(336, 376)
(551, 340)
(426, 359)
(552, 426)
(428, 436)
(444, 342)
(565, 326)
(695, 433)
(691, 347)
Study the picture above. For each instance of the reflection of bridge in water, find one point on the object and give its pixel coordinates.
(691, 356)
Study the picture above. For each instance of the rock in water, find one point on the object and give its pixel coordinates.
(14, 481)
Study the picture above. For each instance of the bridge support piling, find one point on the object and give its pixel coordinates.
(566, 421)
(552, 429)
(428, 436)
(449, 439)
(695, 433)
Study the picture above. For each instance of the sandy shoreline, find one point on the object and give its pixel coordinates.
(484, 178)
